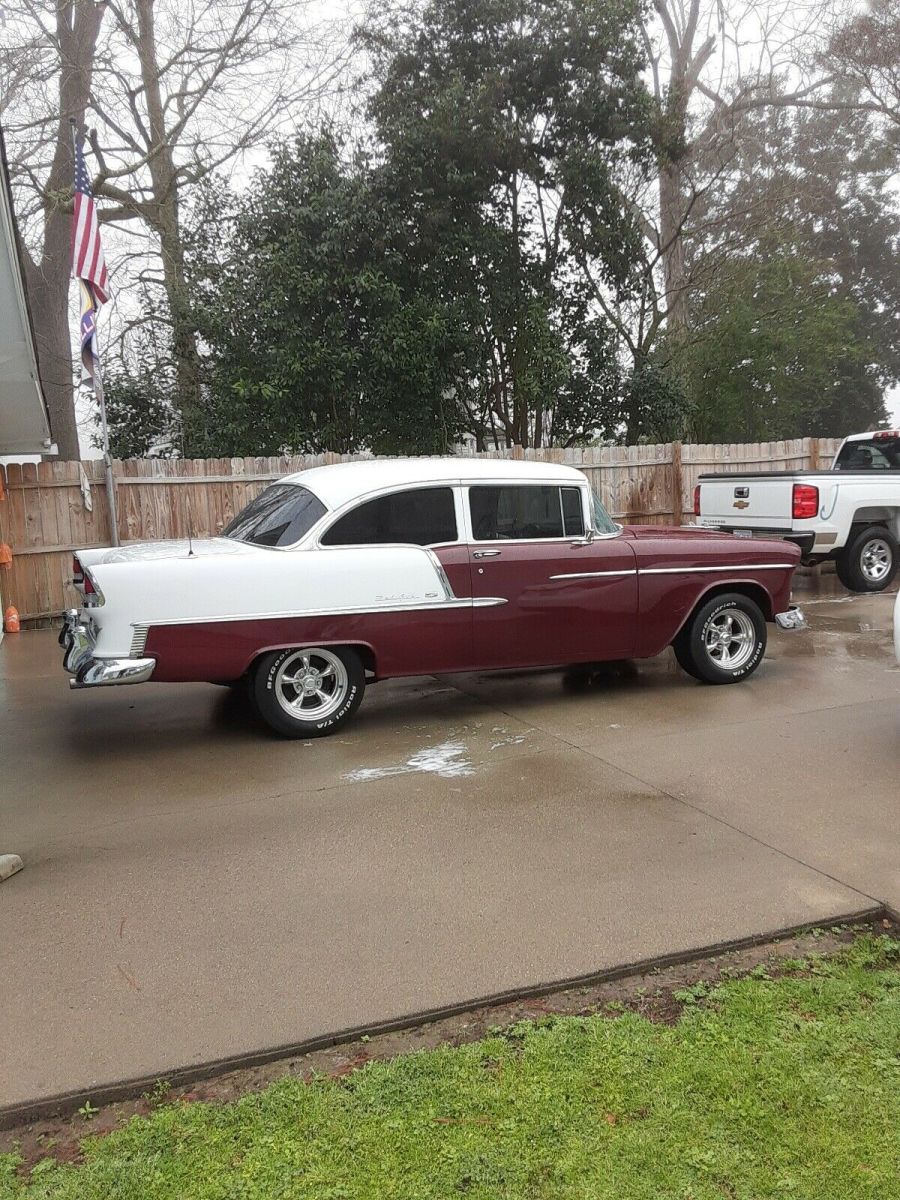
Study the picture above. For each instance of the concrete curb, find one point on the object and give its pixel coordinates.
(66, 1103)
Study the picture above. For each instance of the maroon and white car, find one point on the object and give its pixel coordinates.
(339, 576)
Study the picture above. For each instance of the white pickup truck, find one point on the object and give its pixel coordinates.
(850, 514)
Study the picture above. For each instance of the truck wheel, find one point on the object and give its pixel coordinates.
(308, 691)
(869, 561)
(724, 641)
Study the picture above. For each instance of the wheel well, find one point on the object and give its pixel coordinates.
(365, 652)
(864, 517)
(753, 591)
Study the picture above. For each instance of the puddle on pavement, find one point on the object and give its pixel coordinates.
(842, 624)
(448, 760)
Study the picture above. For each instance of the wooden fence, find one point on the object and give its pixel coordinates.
(51, 508)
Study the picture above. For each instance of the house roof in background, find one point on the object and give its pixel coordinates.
(24, 424)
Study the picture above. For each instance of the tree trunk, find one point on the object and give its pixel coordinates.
(671, 222)
(77, 26)
(165, 218)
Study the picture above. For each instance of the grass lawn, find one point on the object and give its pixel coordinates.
(765, 1087)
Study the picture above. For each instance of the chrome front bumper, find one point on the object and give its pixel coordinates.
(78, 641)
(792, 619)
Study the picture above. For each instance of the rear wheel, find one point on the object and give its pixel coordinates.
(724, 641)
(308, 691)
(869, 561)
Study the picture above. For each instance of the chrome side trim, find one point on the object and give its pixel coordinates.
(104, 672)
(466, 602)
(734, 568)
(594, 574)
(449, 593)
(139, 640)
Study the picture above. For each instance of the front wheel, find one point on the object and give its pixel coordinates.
(869, 561)
(724, 641)
(309, 691)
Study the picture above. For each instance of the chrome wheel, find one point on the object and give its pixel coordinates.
(311, 684)
(876, 560)
(730, 639)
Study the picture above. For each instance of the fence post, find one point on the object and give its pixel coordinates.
(677, 485)
(814, 454)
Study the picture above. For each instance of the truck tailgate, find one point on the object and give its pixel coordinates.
(738, 501)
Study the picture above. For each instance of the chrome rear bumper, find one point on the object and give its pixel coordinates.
(792, 619)
(77, 640)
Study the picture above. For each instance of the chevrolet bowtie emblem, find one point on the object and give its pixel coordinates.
(741, 504)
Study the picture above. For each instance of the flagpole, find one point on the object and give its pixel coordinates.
(104, 434)
(97, 387)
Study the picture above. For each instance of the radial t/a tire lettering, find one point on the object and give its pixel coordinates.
(307, 691)
(724, 640)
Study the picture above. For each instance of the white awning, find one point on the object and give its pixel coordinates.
(24, 425)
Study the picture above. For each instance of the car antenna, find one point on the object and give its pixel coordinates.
(190, 524)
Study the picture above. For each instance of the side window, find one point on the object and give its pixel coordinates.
(573, 512)
(523, 511)
(422, 517)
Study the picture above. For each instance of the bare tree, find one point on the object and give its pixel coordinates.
(56, 55)
(866, 52)
(171, 91)
(711, 61)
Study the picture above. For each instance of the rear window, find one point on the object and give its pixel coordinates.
(279, 516)
(876, 454)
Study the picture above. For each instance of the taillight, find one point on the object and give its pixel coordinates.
(77, 572)
(89, 589)
(806, 501)
(697, 500)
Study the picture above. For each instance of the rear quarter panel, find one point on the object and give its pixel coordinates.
(678, 568)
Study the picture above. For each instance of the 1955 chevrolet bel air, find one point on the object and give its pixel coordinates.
(340, 576)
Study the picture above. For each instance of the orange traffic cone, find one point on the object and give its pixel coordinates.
(11, 620)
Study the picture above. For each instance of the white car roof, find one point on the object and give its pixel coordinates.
(342, 482)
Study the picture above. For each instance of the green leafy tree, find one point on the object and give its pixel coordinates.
(795, 319)
(318, 337)
(507, 127)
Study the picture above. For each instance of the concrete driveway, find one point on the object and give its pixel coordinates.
(196, 890)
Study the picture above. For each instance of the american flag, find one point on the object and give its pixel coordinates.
(88, 266)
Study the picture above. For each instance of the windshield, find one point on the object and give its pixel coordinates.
(279, 516)
(603, 522)
(876, 454)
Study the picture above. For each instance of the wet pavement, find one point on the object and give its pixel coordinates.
(195, 889)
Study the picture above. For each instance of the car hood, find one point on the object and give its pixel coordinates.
(173, 548)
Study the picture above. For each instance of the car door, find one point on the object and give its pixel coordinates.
(436, 637)
(569, 597)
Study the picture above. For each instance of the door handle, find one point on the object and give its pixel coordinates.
(486, 554)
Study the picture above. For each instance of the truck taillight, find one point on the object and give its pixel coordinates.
(77, 572)
(697, 500)
(806, 501)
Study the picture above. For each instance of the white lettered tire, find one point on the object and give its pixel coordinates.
(307, 691)
(723, 641)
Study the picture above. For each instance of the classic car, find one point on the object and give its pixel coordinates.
(339, 576)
